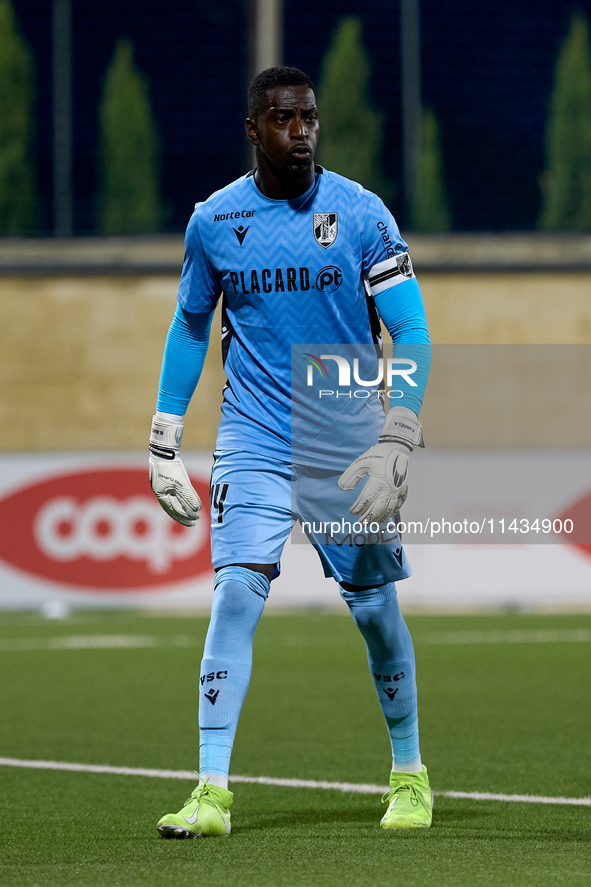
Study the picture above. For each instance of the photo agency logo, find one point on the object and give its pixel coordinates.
(387, 373)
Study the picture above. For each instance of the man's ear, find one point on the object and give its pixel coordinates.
(252, 132)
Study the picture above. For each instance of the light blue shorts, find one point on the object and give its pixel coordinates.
(255, 501)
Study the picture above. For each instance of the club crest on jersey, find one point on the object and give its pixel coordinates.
(325, 228)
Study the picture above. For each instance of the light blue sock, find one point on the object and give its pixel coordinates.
(391, 658)
(239, 598)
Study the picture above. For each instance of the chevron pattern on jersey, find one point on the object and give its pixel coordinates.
(283, 286)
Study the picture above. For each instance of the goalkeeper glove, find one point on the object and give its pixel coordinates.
(386, 464)
(168, 476)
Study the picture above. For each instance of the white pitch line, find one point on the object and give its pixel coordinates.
(139, 642)
(524, 799)
(359, 788)
(355, 787)
(96, 642)
(540, 636)
(96, 768)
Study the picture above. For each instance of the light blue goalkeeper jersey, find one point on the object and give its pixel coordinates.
(290, 272)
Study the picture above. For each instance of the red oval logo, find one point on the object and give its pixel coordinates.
(579, 515)
(102, 529)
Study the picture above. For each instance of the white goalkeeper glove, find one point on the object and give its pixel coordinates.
(168, 476)
(386, 465)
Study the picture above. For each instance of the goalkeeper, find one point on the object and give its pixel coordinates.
(299, 255)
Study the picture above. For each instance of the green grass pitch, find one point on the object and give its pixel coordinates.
(505, 717)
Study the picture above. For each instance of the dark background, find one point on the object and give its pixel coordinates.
(487, 72)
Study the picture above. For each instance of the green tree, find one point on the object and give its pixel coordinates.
(430, 212)
(129, 201)
(566, 184)
(351, 131)
(18, 193)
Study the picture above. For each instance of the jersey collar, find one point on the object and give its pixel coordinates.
(297, 201)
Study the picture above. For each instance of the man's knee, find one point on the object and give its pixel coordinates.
(266, 569)
(233, 586)
(357, 596)
(348, 586)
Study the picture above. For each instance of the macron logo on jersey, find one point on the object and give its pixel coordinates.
(240, 231)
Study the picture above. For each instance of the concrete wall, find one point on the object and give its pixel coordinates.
(81, 360)
(508, 308)
(81, 347)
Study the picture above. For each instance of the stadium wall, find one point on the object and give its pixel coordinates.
(82, 330)
(83, 325)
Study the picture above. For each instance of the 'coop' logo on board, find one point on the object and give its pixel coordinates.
(101, 529)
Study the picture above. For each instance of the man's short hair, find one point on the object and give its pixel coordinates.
(270, 79)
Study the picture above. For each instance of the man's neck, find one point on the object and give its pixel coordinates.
(271, 185)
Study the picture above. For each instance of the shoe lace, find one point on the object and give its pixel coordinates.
(414, 797)
(198, 793)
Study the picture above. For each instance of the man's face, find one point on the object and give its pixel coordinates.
(286, 132)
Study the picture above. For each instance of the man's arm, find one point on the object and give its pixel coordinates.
(386, 464)
(184, 356)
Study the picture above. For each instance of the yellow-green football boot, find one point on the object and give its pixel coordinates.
(206, 814)
(410, 801)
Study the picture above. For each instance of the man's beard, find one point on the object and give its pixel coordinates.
(298, 171)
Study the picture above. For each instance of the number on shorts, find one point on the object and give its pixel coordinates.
(218, 497)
